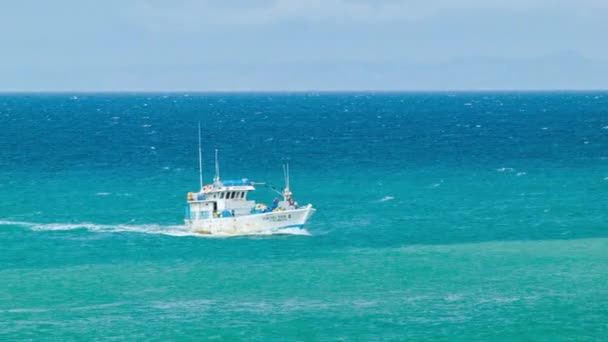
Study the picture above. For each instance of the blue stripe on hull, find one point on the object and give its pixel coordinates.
(293, 226)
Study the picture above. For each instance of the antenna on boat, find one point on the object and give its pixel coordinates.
(287, 175)
(286, 192)
(284, 174)
(200, 157)
(217, 168)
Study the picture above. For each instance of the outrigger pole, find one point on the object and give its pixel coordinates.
(200, 157)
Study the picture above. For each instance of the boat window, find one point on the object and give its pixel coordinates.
(242, 194)
(222, 195)
(232, 195)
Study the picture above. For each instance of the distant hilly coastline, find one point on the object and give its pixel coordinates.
(559, 71)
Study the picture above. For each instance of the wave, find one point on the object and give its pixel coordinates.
(171, 230)
(386, 199)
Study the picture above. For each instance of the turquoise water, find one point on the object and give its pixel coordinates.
(441, 216)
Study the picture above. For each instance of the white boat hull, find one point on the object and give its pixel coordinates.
(253, 224)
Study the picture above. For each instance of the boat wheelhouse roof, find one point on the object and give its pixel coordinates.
(229, 188)
(238, 182)
(229, 185)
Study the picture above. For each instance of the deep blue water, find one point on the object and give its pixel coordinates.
(470, 216)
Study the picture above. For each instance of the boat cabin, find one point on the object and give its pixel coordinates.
(221, 199)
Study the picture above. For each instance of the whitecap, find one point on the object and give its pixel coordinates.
(386, 198)
(198, 304)
(362, 303)
(23, 311)
(499, 300)
(102, 193)
(520, 173)
(453, 297)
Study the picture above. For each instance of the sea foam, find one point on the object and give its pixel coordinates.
(170, 230)
(386, 199)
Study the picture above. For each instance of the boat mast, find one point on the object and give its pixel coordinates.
(216, 180)
(286, 192)
(200, 157)
(287, 176)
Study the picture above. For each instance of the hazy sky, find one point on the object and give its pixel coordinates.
(163, 45)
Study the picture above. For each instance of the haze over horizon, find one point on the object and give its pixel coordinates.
(295, 45)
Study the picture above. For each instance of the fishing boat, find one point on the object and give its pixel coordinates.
(223, 207)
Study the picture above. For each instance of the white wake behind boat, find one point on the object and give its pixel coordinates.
(224, 208)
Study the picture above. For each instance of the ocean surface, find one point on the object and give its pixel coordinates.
(441, 216)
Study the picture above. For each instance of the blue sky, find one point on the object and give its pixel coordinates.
(162, 45)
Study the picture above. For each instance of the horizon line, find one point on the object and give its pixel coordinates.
(252, 91)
